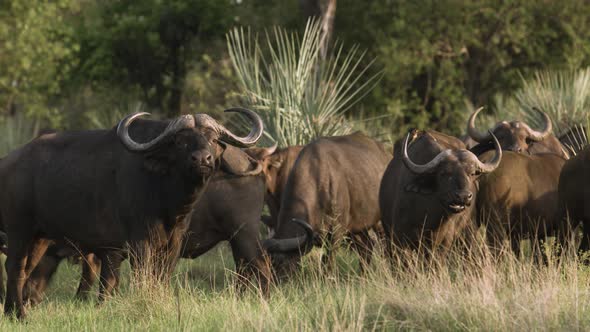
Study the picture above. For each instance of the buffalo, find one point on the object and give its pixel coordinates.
(574, 195)
(331, 191)
(428, 190)
(276, 166)
(520, 199)
(229, 210)
(102, 191)
(517, 136)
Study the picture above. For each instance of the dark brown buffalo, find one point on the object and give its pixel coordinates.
(574, 194)
(519, 200)
(427, 191)
(276, 165)
(331, 191)
(103, 190)
(517, 136)
(229, 210)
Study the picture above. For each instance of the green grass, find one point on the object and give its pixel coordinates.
(461, 294)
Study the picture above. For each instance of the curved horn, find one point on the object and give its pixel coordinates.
(475, 134)
(271, 149)
(419, 169)
(243, 142)
(490, 166)
(300, 243)
(257, 169)
(540, 135)
(182, 122)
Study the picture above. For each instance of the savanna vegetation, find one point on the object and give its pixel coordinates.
(380, 66)
(453, 293)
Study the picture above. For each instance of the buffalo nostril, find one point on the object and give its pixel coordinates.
(202, 158)
(207, 159)
(463, 197)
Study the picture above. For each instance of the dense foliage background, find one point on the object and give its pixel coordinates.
(75, 63)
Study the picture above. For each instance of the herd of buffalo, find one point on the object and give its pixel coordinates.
(153, 191)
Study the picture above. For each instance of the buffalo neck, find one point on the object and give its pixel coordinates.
(165, 197)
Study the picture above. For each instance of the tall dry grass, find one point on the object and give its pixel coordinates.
(450, 291)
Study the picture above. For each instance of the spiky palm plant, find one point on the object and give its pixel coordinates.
(563, 95)
(109, 118)
(16, 130)
(299, 95)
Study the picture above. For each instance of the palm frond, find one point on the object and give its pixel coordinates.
(16, 130)
(299, 95)
(563, 95)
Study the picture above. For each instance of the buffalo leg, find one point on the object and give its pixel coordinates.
(39, 279)
(495, 240)
(23, 256)
(2, 288)
(585, 243)
(16, 277)
(36, 253)
(249, 259)
(515, 245)
(388, 243)
(328, 258)
(90, 269)
(109, 273)
(363, 244)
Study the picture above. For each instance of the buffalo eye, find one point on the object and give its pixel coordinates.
(182, 144)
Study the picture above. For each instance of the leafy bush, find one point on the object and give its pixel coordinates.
(436, 54)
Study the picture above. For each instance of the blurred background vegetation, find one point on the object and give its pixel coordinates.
(74, 64)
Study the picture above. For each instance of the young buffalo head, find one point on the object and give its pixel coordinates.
(189, 145)
(514, 136)
(450, 176)
(276, 165)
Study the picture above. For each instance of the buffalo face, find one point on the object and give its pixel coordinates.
(190, 145)
(514, 136)
(454, 182)
(451, 176)
(194, 153)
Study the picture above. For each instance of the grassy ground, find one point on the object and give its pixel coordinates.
(463, 294)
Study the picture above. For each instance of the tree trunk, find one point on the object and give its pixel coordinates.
(177, 84)
(325, 11)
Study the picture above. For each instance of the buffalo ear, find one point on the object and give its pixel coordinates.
(257, 153)
(275, 161)
(220, 148)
